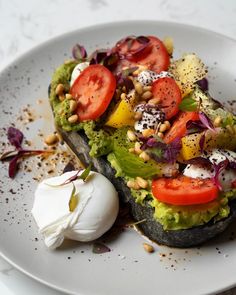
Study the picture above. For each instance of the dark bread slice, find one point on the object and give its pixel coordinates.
(78, 142)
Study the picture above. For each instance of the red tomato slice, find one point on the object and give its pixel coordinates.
(184, 190)
(93, 89)
(234, 184)
(154, 55)
(178, 129)
(169, 94)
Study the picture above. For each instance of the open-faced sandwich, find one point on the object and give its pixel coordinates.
(148, 123)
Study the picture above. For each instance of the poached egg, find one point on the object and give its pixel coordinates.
(81, 211)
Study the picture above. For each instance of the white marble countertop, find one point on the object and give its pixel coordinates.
(26, 23)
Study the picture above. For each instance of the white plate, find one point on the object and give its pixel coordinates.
(127, 269)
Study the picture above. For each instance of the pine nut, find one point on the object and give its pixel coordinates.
(51, 139)
(148, 132)
(137, 147)
(131, 150)
(59, 89)
(138, 88)
(217, 121)
(154, 101)
(147, 95)
(167, 123)
(137, 116)
(73, 119)
(123, 96)
(147, 88)
(61, 97)
(131, 136)
(162, 128)
(73, 105)
(69, 96)
(161, 135)
(144, 156)
(142, 182)
(133, 184)
(148, 248)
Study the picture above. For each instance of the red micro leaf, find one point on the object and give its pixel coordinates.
(202, 142)
(206, 121)
(99, 248)
(15, 137)
(79, 52)
(218, 168)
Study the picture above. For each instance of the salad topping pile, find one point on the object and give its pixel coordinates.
(153, 118)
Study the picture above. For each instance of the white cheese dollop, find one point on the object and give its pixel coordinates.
(151, 117)
(215, 156)
(94, 214)
(77, 71)
(147, 77)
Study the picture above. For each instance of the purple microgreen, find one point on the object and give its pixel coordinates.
(15, 137)
(130, 41)
(143, 39)
(13, 164)
(206, 121)
(98, 56)
(195, 126)
(79, 52)
(188, 104)
(69, 167)
(99, 248)
(173, 150)
(110, 60)
(218, 168)
(202, 142)
(84, 175)
(162, 152)
(70, 179)
(232, 164)
(128, 84)
(199, 161)
(104, 57)
(203, 84)
(123, 79)
(8, 155)
(137, 52)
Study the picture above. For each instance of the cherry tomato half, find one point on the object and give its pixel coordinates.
(93, 90)
(178, 129)
(184, 190)
(169, 95)
(152, 55)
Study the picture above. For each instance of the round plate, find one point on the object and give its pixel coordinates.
(127, 269)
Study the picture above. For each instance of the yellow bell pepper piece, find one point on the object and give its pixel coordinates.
(221, 138)
(123, 115)
(190, 146)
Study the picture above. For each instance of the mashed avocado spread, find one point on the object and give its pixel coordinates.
(115, 145)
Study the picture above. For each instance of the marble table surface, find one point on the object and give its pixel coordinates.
(26, 23)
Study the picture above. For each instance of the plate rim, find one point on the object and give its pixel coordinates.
(85, 29)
